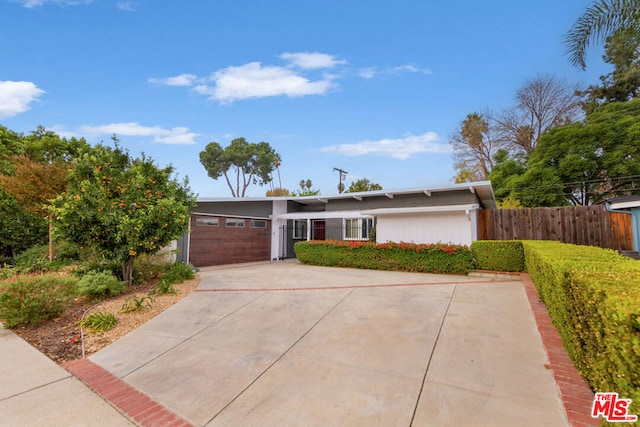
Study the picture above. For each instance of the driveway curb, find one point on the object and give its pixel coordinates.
(136, 405)
(576, 395)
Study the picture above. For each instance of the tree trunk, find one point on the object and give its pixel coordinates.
(50, 237)
(127, 271)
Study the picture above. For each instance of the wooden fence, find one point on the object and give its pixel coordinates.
(581, 225)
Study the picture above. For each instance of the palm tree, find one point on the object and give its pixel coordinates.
(601, 20)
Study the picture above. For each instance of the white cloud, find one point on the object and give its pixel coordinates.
(125, 5)
(176, 135)
(400, 148)
(312, 60)
(35, 3)
(253, 80)
(371, 72)
(15, 97)
(180, 80)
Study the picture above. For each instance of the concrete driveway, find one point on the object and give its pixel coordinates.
(293, 345)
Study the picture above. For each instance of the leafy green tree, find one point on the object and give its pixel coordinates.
(363, 185)
(241, 163)
(585, 162)
(19, 229)
(32, 171)
(506, 169)
(601, 20)
(623, 83)
(122, 206)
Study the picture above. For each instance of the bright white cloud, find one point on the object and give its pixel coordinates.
(180, 80)
(312, 60)
(253, 80)
(125, 5)
(400, 148)
(15, 97)
(35, 3)
(176, 135)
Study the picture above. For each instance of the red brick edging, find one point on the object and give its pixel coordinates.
(576, 395)
(136, 405)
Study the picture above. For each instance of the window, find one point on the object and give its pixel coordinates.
(258, 223)
(232, 222)
(203, 220)
(299, 228)
(357, 229)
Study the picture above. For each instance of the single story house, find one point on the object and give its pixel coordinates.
(234, 230)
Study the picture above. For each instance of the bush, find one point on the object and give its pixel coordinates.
(498, 255)
(32, 299)
(99, 322)
(433, 258)
(178, 273)
(100, 284)
(593, 298)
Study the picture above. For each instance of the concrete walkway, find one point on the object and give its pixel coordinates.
(289, 345)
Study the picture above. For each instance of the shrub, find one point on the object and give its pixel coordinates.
(177, 273)
(431, 258)
(99, 322)
(32, 299)
(100, 284)
(498, 255)
(135, 304)
(593, 298)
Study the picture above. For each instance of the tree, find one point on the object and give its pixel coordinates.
(586, 162)
(124, 207)
(363, 185)
(474, 144)
(32, 171)
(601, 20)
(34, 185)
(506, 168)
(623, 83)
(306, 189)
(19, 229)
(242, 162)
(277, 192)
(542, 103)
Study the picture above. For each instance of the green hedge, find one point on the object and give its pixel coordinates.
(498, 255)
(593, 298)
(433, 258)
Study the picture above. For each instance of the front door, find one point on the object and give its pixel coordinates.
(318, 227)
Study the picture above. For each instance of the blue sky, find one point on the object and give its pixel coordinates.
(372, 87)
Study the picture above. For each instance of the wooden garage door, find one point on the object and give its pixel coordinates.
(228, 240)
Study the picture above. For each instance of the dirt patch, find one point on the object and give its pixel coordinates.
(61, 339)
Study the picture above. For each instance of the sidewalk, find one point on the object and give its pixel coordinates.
(36, 391)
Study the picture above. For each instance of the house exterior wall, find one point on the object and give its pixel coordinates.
(239, 207)
(445, 227)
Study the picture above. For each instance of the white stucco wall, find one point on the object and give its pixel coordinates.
(279, 208)
(447, 227)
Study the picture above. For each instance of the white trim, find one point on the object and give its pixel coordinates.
(625, 205)
(421, 209)
(322, 215)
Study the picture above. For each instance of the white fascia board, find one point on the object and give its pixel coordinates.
(625, 205)
(421, 209)
(322, 215)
